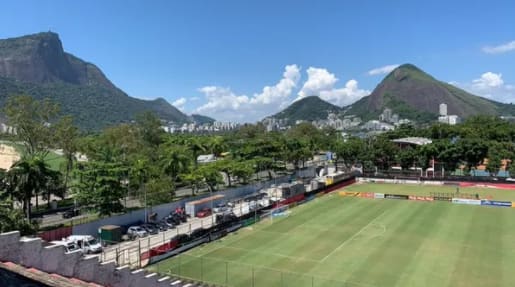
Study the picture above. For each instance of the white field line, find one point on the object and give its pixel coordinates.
(352, 237)
(273, 254)
(263, 267)
(255, 251)
(250, 232)
(380, 234)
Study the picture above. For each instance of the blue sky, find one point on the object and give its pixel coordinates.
(243, 60)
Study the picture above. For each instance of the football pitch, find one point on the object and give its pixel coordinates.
(348, 241)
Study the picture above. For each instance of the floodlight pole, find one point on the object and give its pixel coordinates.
(212, 219)
(252, 276)
(146, 215)
(226, 273)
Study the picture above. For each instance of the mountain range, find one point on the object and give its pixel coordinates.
(407, 91)
(37, 65)
(307, 109)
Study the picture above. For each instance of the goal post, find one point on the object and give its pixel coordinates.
(279, 211)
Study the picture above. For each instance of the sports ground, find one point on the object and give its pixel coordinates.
(349, 241)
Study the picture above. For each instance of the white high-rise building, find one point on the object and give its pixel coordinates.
(443, 109)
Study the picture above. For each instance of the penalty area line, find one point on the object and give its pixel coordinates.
(353, 236)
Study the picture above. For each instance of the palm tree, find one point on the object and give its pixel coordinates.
(217, 145)
(175, 162)
(196, 146)
(30, 176)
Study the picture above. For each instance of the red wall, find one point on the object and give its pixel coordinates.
(56, 234)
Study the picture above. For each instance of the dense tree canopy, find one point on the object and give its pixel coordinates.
(141, 160)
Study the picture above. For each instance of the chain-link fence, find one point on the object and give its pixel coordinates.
(236, 274)
(136, 253)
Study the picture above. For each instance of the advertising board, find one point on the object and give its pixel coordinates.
(366, 194)
(420, 198)
(396, 196)
(466, 201)
(496, 203)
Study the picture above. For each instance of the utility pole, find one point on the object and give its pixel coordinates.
(146, 215)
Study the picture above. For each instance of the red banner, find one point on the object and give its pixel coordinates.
(420, 198)
(366, 194)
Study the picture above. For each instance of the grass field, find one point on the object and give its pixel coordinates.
(425, 190)
(347, 241)
(54, 160)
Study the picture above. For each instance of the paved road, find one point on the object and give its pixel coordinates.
(56, 218)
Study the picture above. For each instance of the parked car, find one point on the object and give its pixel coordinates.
(136, 232)
(72, 212)
(150, 228)
(181, 216)
(172, 222)
(175, 219)
(204, 212)
(221, 207)
(87, 243)
(69, 246)
(161, 225)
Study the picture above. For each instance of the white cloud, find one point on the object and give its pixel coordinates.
(382, 70)
(282, 90)
(507, 47)
(179, 103)
(490, 85)
(344, 96)
(318, 80)
(488, 80)
(224, 104)
(322, 83)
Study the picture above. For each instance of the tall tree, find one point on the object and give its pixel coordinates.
(194, 179)
(216, 145)
(210, 175)
(66, 135)
(196, 147)
(33, 123)
(101, 186)
(140, 174)
(174, 162)
(149, 128)
(13, 219)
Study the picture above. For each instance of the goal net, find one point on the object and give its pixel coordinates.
(277, 212)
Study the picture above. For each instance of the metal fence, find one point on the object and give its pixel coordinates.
(236, 274)
(136, 253)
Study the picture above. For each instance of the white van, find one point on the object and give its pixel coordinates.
(69, 246)
(87, 243)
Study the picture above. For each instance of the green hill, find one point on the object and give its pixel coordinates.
(200, 119)
(307, 109)
(37, 65)
(416, 95)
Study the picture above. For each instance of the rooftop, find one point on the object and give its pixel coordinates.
(413, 141)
